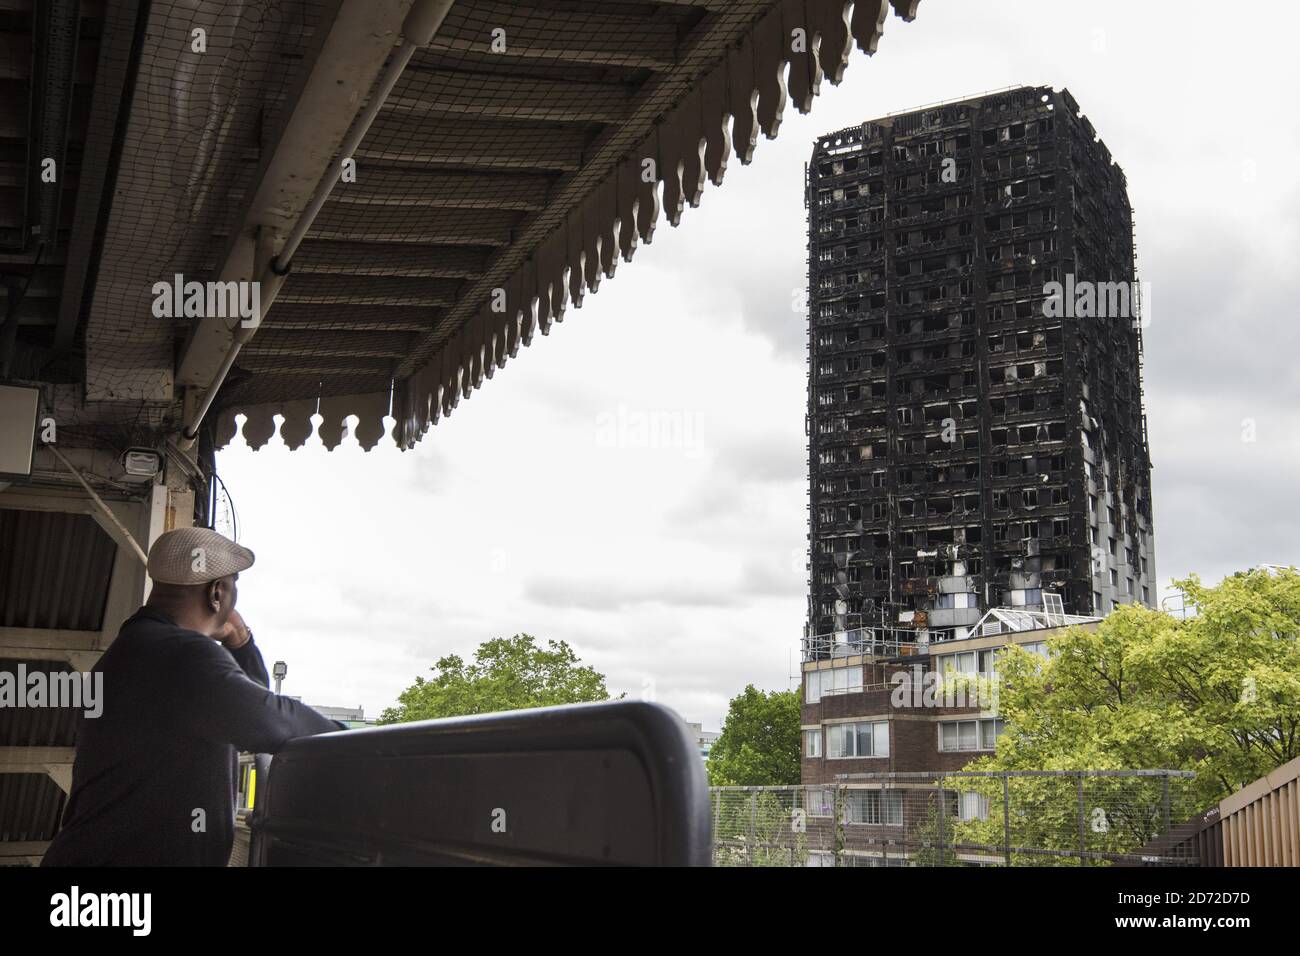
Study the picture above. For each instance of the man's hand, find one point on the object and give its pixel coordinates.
(234, 634)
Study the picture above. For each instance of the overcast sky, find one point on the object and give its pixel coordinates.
(676, 567)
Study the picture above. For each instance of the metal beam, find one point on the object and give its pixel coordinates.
(439, 189)
(479, 144)
(319, 367)
(503, 96)
(387, 259)
(77, 660)
(444, 189)
(702, 4)
(93, 9)
(45, 641)
(58, 25)
(442, 228)
(15, 60)
(65, 500)
(347, 326)
(296, 347)
(599, 39)
(23, 852)
(372, 290)
(114, 65)
(61, 774)
(306, 318)
(34, 759)
(105, 516)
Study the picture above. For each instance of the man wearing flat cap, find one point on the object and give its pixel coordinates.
(185, 689)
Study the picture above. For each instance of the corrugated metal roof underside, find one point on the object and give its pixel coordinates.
(37, 726)
(55, 570)
(30, 807)
(21, 91)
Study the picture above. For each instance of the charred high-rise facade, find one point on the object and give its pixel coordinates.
(976, 428)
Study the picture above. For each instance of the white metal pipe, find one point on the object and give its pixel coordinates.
(191, 431)
(356, 132)
(108, 512)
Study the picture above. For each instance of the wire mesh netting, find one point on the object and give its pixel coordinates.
(465, 156)
(1048, 818)
(205, 86)
(502, 140)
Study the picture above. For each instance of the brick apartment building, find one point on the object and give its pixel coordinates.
(857, 717)
(865, 713)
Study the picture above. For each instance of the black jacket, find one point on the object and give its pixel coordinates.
(153, 781)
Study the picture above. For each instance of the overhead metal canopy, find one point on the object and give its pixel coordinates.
(501, 179)
(56, 58)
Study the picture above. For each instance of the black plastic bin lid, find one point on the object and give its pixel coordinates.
(617, 783)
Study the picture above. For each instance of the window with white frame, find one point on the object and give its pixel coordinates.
(973, 806)
(819, 802)
(963, 663)
(833, 680)
(812, 743)
(969, 662)
(866, 739)
(959, 735)
(879, 807)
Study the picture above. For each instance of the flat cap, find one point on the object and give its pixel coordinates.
(196, 556)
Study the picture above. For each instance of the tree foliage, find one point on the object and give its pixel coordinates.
(507, 673)
(1217, 693)
(759, 743)
(1051, 820)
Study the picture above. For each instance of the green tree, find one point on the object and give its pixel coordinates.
(932, 838)
(507, 673)
(1217, 693)
(759, 743)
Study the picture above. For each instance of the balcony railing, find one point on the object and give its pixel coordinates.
(871, 642)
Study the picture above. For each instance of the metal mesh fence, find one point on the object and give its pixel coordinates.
(1042, 818)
